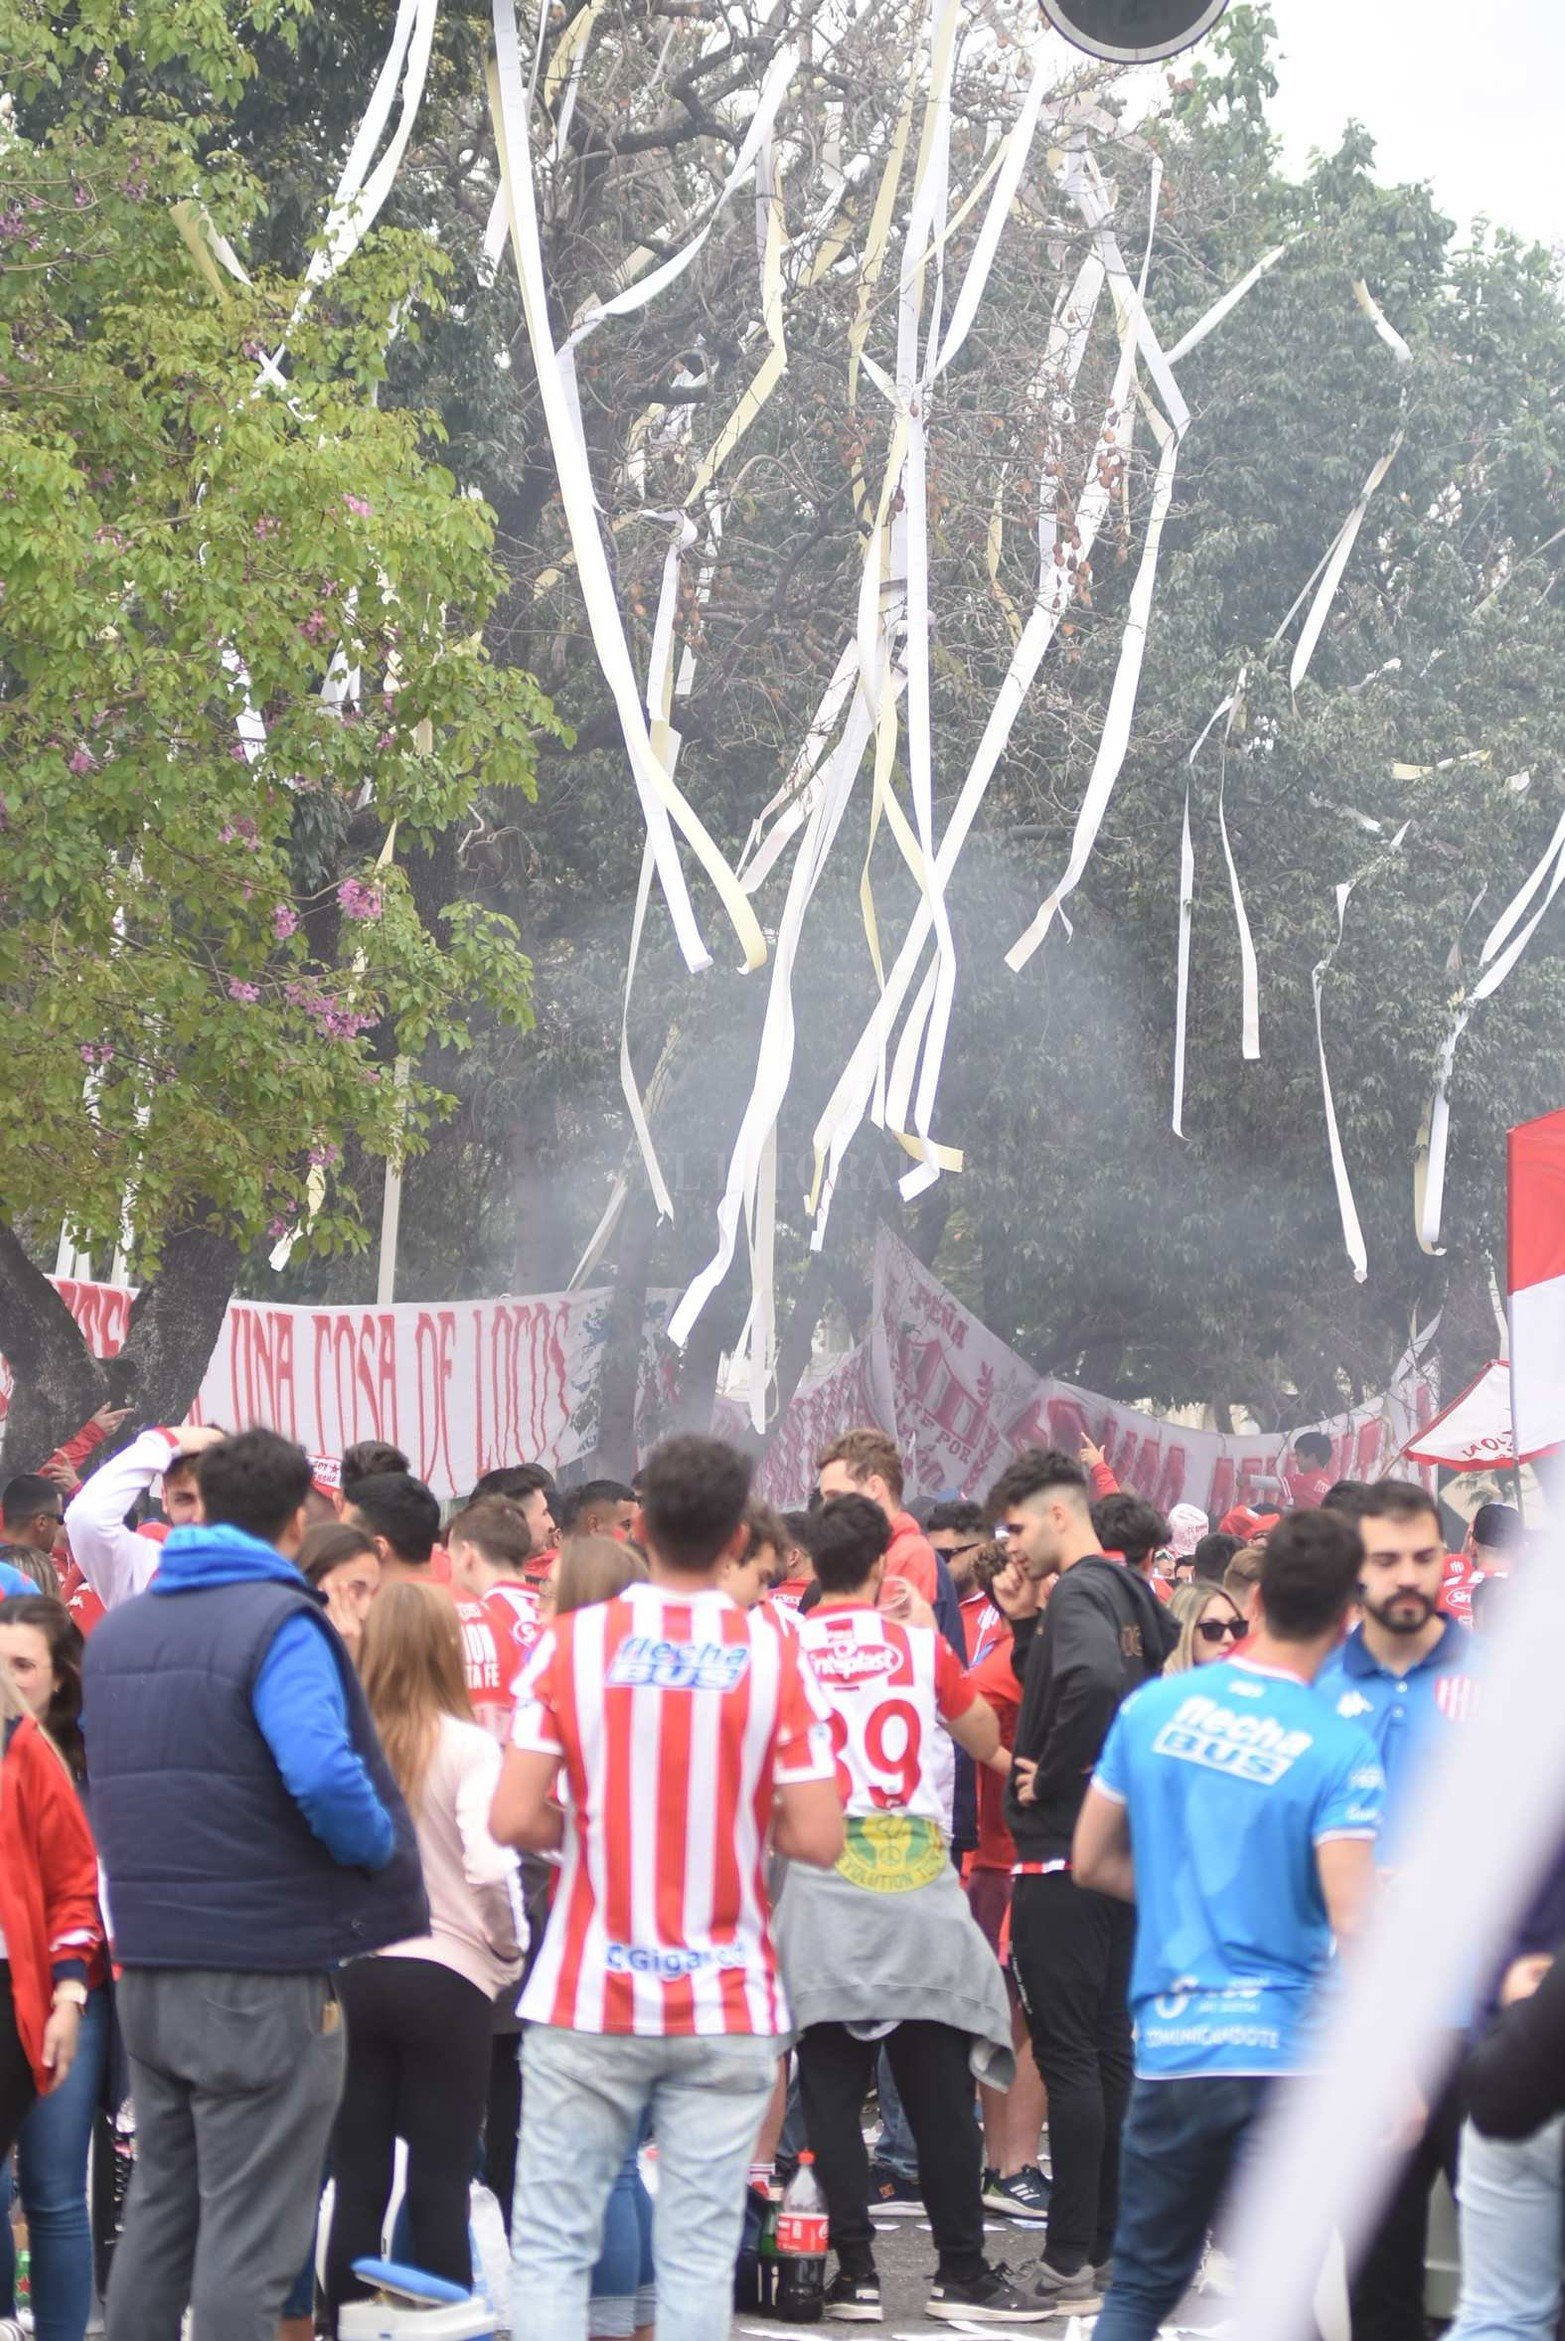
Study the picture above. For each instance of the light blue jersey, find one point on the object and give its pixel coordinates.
(1232, 1775)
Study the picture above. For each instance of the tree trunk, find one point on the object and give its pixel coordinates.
(175, 1322)
(795, 1348)
(174, 1326)
(616, 1453)
(56, 1381)
(1469, 1336)
(698, 1370)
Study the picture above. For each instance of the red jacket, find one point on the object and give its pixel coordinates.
(48, 1883)
(911, 1556)
(75, 1451)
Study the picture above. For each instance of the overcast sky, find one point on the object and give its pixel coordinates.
(1473, 100)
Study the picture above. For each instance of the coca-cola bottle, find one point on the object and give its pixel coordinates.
(801, 2249)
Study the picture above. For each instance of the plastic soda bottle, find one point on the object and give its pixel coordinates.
(801, 2248)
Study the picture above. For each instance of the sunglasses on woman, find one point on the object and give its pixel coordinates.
(1221, 1629)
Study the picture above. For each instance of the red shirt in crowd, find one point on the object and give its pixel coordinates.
(995, 1680)
(911, 1557)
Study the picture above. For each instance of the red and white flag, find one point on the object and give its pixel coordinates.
(1536, 1229)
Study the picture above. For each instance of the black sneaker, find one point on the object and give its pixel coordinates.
(995, 2297)
(891, 2196)
(853, 2300)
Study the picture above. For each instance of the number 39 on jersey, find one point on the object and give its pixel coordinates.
(890, 1686)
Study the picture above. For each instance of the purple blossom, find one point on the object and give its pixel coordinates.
(333, 1022)
(278, 1229)
(247, 993)
(315, 625)
(285, 921)
(81, 197)
(322, 1157)
(242, 830)
(236, 749)
(385, 740)
(358, 900)
(81, 760)
(359, 506)
(97, 1052)
(267, 525)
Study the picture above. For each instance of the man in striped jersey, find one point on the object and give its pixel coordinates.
(680, 1729)
(885, 1948)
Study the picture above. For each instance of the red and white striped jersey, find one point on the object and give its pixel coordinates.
(676, 1717)
(498, 1634)
(889, 1687)
(514, 1620)
(487, 1688)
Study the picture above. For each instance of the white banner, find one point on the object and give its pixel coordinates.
(960, 1404)
(460, 1386)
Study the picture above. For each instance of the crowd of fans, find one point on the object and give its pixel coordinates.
(588, 1832)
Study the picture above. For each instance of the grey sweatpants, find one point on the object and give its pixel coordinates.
(235, 2079)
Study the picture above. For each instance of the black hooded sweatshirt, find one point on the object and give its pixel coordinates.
(1102, 1634)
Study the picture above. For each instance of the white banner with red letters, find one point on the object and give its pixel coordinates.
(459, 1386)
(960, 1404)
(464, 1386)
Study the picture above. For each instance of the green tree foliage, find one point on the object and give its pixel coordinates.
(209, 960)
(1211, 1267)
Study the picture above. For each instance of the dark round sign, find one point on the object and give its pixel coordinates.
(1133, 32)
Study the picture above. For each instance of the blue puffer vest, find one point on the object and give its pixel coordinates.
(210, 1862)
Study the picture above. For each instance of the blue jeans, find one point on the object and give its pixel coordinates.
(1181, 2142)
(51, 2160)
(583, 2098)
(623, 2281)
(894, 2148)
(1508, 2196)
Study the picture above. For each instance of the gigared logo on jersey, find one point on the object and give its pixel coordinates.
(642, 1662)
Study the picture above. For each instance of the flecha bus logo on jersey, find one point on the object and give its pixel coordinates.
(1251, 1747)
(644, 1661)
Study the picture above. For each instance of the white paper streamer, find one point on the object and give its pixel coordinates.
(1249, 973)
(1114, 741)
(1065, 349)
(1429, 1202)
(1182, 999)
(1347, 536)
(757, 1131)
(913, 388)
(662, 803)
(1352, 1229)
(1017, 147)
(646, 288)
(1220, 309)
(361, 193)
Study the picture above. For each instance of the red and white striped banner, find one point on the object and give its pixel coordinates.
(1535, 1156)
